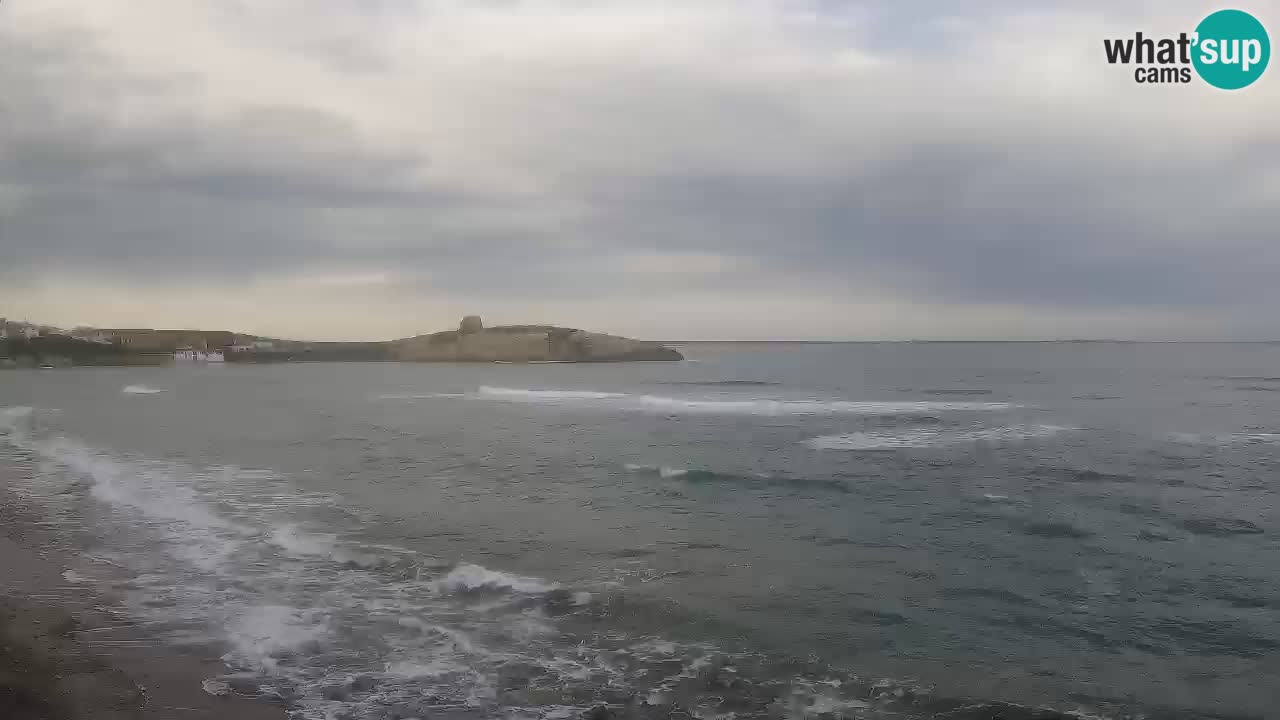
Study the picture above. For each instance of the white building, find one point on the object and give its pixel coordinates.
(90, 335)
(17, 329)
(191, 355)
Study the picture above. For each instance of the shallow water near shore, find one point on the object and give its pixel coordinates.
(873, 530)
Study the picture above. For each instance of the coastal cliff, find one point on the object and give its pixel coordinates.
(472, 342)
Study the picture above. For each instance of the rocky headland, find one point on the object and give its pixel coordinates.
(473, 342)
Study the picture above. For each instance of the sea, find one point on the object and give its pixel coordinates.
(861, 530)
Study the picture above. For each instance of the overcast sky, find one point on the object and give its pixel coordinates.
(790, 169)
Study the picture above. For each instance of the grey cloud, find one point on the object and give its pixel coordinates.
(544, 188)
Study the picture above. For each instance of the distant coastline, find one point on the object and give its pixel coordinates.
(971, 342)
(28, 345)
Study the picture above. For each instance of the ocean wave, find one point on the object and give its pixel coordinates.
(462, 640)
(140, 390)
(261, 636)
(469, 577)
(932, 438)
(1082, 475)
(546, 395)
(722, 383)
(1225, 439)
(1221, 527)
(15, 418)
(695, 475)
(290, 538)
(764, 406)
(1055, 529)
(417, 396)
(663, 471)
(158, 493)
(733, 406)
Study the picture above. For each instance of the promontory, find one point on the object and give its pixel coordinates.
(473, 342)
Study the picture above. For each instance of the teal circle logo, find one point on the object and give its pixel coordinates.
(1231, 49)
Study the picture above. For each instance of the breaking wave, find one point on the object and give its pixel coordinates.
(468, 577)
(723, 383)
(732, 406)
(1225, 439)
(417, 396)
(546, 395)
(219, 553)
(11, 417)
(924, 438)
(695, 475)
(140, 390)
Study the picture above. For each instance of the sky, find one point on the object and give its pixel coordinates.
(667, 169)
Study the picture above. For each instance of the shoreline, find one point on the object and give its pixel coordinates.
(68, 651)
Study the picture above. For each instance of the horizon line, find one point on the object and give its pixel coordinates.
(981, 340)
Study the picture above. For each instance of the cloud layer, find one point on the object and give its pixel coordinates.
(717, 169)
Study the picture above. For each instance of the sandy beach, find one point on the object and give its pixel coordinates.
(67, 653)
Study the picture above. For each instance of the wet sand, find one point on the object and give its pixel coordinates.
(69, 653)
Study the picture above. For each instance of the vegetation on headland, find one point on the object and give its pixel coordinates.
(317, 352)
(59, 351)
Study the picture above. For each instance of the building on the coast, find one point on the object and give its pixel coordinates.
(188, 354)
(23, 330)
(147, 340)
(144, 340)
(93, 335)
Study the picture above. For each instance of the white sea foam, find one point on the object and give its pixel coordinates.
(417, 396)
(148, 487)
(294, 541)
(260, 633)
(217, 688)
(765, 406)
(222, 554)
(140, 390)
(663, 471)
(72, 576)
(15, 421)
(733, 405)
(158, 492)
(298, 623)
(12, 414)
(1225, 439)
(923, 438)
(478, 577)
(546, 395)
